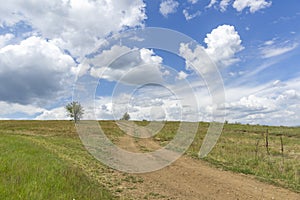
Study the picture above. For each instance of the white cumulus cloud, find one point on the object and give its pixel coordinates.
(240, 5)
(46, 41)
(189, 16)
(168, 7)
(212, 2)
(12, 108)
(224, 4)
(70, 21)
(59, 113)
(222, 45)
(253, 5)
(34, 71)
(182, 75)
(273, 103)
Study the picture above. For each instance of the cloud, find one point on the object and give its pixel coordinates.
(193, 1)
(253, 5)
(53, 114)
(273, 103)
(253, 104)
(182, 75)
(224, 4)
(69, 22)
(222, 45)
(127, 65)
(190, 16)
(151, 102)
(13, 108)
(195, 57)
(37, 64)
(4, 39)
(262, 109)
(106, 57)
(168, 7)
(212, 2)
(34, 72)
(240, 5)
(149, 57)
(269, 42)
(147, 101)
(272, 51)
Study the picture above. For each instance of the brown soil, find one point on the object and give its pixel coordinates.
(192, 179)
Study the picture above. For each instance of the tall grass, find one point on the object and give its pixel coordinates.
(29, 171)
(242, 149)
(32, 169)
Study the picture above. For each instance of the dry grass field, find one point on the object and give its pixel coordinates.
(46, 160)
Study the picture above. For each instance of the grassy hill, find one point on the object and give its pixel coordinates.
(46, 160)
(37, 163)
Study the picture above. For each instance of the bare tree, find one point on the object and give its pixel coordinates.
(75, 110)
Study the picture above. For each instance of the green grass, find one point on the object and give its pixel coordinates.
(111, 129)
(29, 171)
(40, 160)
(46, 159)
(168, 132)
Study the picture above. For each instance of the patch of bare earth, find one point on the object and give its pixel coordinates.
(188, 178)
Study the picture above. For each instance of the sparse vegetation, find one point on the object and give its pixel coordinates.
(46, 160)
(244, 149)
(250, 149)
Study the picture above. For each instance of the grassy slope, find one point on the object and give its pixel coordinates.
(241, 148)
(29, 169)
(52, 153)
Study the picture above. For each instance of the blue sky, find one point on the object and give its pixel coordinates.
(48, 48)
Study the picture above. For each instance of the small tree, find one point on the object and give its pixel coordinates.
(75, 110)
(126, 116)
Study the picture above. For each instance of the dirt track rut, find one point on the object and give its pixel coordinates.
(192, 179)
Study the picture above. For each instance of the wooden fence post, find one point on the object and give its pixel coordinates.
(267, 142)
(281, 142)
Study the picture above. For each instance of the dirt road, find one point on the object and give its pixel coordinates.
(192, 179)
